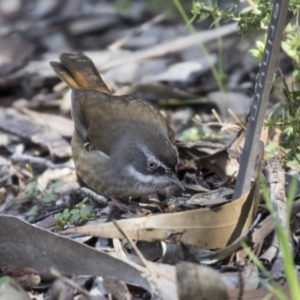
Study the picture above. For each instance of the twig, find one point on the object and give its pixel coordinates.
(241, 284)
(70, 282)
(172, 46)
(214, 112)
(120, 43)
(40, 161)
(147, 264)
(236, 119)
(232, 128)
(276, 181)
(135, 248)
(225, 126)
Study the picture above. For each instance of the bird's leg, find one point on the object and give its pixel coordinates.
(117, 202)
(96, 198)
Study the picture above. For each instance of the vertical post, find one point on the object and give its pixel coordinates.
(261, 98)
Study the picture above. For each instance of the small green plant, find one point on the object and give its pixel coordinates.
(288, 121)
(291, 46)
(49, 197)
(256, 16)
(289, 124)
(258, 52)
(32, 212)
(32, 189)
(77, 215)
(248, 19)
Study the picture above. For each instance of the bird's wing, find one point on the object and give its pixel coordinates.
(81, 122)
(102, 120)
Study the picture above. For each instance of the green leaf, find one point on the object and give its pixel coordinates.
(32, 190)
(202, 17)
(260, 45)
(289, 130)
(66, 214)
(297, 78)
(85, 200)
(32, 212)
(191, 21)
(216, 21)
(230, 8)
(74, 218)
(59, 217)
(190, 134)
(56, 185)
(86, 210)
(49, 197)
(255, 53)
(74, 211)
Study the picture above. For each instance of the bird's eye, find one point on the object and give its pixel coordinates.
(151, 165)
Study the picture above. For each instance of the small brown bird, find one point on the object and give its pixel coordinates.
(122, 146)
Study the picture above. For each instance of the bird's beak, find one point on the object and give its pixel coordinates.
(174, 179)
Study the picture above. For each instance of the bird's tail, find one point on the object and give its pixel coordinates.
(79, 72)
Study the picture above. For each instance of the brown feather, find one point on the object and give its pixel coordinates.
(79, 72)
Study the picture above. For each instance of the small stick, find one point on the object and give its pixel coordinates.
(120, 43)
(214, 112)
(40, 161)
(276, 181)
(236, 119)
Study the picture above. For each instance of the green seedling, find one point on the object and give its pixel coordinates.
(80, 213)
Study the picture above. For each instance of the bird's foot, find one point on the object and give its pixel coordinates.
(116, 202)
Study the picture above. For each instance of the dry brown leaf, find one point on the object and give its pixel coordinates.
(216, 163)
(204, 228)
(233, 247)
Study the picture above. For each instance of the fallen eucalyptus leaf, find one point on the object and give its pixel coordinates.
(23, 245)
(204, 228)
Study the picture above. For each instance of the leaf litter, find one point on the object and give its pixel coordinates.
(201, 226)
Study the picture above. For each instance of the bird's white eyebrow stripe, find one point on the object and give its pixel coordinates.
(162, 164)
(140, 176)
(149, 154)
